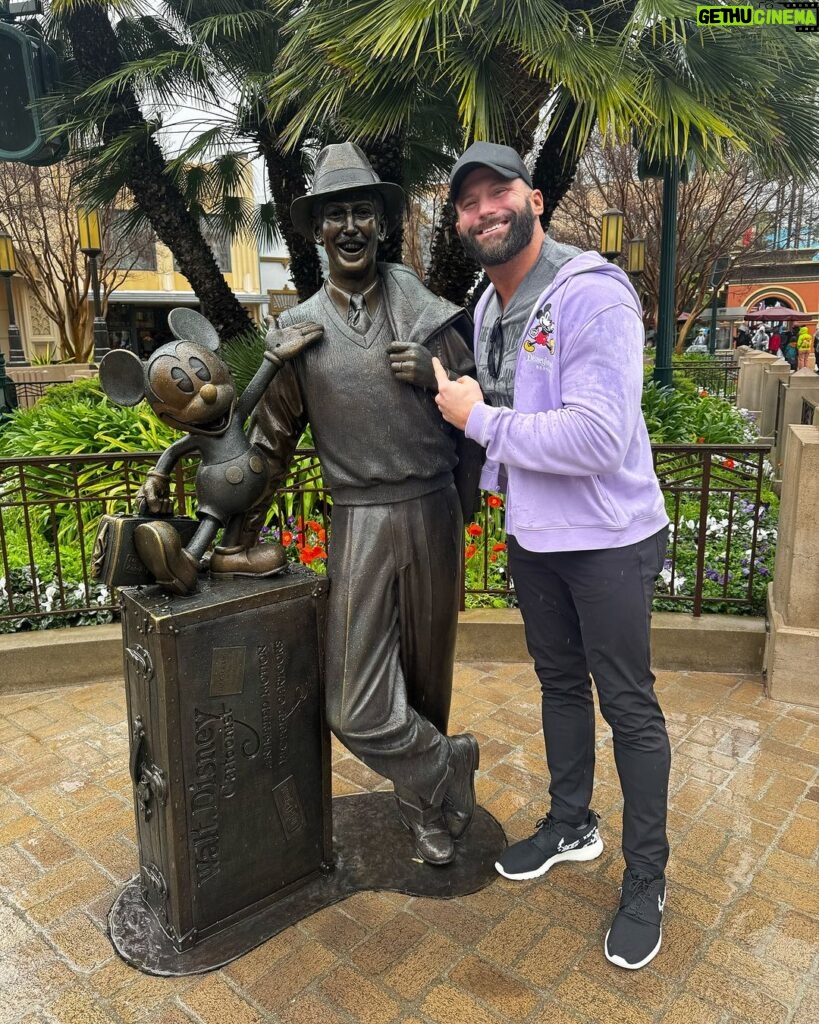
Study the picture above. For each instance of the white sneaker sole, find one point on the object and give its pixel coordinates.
(590, 852)
(620, 962)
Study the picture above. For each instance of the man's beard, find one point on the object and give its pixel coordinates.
(492, 253)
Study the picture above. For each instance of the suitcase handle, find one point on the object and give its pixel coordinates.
(137, 744)
(149, 781)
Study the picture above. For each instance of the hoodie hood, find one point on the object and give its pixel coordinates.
(593, 263)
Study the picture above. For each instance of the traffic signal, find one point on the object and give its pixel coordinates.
(28, 73)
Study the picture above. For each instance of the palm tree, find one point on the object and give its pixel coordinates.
(122, 149)
(542, 75)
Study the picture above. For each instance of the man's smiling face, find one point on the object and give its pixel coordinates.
(496, 216)
(350, 228)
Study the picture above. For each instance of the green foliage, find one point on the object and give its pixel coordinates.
(682, 415)
(244, 357)
(77, 419)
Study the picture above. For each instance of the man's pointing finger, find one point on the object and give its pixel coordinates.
(440, 372)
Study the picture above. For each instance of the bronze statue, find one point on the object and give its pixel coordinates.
(390, 462)
(190, 388)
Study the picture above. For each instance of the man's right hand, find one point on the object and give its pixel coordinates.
(287, 342)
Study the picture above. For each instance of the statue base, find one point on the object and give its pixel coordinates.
(372, 850)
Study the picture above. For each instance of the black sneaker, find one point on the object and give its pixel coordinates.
(552, 843)
(636, 933)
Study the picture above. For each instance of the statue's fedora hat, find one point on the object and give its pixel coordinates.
(343, 168)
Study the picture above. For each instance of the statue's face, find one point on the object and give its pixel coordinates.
(350, 228)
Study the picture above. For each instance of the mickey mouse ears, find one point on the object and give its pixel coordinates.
(188, 325)
(122, 377)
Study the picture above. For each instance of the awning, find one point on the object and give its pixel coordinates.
(175, 298)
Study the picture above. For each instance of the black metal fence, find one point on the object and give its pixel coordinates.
(716, 376)
(720, 548)
(29, 391)
(810, 412)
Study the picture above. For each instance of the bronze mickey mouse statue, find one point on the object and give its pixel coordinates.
(190, 388)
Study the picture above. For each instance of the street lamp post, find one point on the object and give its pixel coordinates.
(8, 268)
(636, 257)
(611, 234)
(663, 372)
(8, 391)
(88, 222)
(721, 264)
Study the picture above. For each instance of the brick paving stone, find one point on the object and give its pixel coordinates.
(351, 991)
(506, 995)
(215, 1002)
(431, 958)
(741, 936)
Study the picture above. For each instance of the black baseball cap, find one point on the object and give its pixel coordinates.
(502, 159)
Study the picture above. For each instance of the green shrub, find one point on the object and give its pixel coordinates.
(681, 415)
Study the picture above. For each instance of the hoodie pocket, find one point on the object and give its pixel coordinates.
(563, 502)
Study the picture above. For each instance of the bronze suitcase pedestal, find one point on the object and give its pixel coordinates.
(230, 757)
(230, 763)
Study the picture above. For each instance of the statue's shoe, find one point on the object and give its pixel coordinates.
(429, 832)
(160, 548)
(459, 798)
(258, 560)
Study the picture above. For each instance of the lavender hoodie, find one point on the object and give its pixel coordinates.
(575, 449)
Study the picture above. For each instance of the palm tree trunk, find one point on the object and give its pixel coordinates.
(554, 170)
(145, 173)
(285, 175)
(451, 272)
(387, 158)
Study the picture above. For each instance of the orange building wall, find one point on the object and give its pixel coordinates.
(799, 295)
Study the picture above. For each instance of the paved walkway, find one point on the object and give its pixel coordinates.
(741, 941)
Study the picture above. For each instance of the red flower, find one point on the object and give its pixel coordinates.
(309, 555)
(474, 530)
(321, 533)
(313, 525)
(703, 392)
(287, 538)
(493, 501)
(728, 463)
(500, 546)
(700, 440)
(493, 558)
(470, 550)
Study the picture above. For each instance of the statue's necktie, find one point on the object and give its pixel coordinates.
(357, 316)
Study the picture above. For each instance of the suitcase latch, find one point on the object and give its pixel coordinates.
(149, 780)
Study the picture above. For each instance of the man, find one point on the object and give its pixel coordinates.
(367, 388)
(559, 342)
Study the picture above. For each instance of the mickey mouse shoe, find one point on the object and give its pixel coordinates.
(160, 549)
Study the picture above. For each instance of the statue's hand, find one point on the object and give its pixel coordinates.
(412, 364)
(155, 493)
(287, 342)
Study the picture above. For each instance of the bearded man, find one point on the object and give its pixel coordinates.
(559, 337)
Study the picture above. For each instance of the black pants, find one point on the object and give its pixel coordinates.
(589, 612)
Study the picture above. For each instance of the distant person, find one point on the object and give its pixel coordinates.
(775, 344)
(760, 339)
(803, 347)
(790, 353)
(816, 350)
(743, 336)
